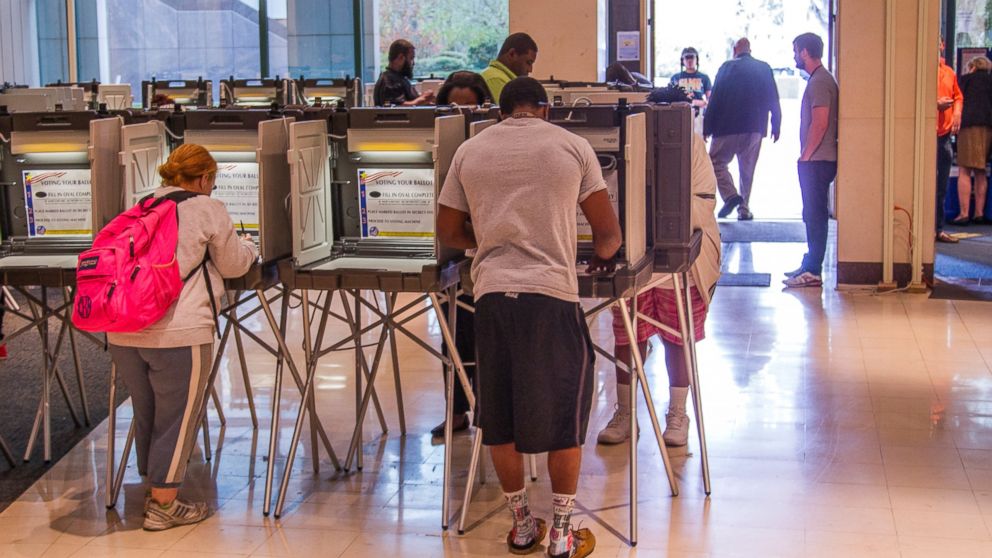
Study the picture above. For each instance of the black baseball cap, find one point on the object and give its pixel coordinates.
(690, 50)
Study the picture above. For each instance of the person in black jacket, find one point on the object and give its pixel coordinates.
(393, 86)
(974, 139)
(737, 117)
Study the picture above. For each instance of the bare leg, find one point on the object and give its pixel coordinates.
(981, 188)
(964, 192)
(678, 376)
(622, 353)
(563, 468)
(164, 496)
(509, 465)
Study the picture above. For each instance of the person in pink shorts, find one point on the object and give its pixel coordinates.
(659, 304)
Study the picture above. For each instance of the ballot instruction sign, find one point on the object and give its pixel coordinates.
(58, 203)
(583, 228)
(237, 187)
(396, 203)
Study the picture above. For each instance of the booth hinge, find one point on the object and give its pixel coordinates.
(349, 247)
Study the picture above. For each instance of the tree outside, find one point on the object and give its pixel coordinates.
(973, 22)
(449, 35)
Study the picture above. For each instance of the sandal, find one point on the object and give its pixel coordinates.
(944, 237)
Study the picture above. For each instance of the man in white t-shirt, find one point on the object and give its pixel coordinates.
(520, 181)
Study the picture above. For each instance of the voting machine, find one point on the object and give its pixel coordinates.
(364, 203)
(194, 93)
(255, 92)
(327, 91)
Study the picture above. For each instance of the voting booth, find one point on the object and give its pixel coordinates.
(263, 92)
(44, 99)
(115, 96)
(194, 93)
(45, 164)
(250, 148)
(364, 188)
(327, 91)
(368, 221)
(48, 218)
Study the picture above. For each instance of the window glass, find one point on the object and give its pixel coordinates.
(313, 38)
(449, 35)
(167, 40)
(53, 55)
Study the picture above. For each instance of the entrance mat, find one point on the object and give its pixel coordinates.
(20, 383)
(745, 280)
(762, 231)
(968, 289)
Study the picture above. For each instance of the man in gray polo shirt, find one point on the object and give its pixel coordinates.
(818, 162)
(520, 181)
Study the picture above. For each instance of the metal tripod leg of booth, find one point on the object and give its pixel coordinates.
(50, 370)
(390, 319)
(635, 348)
(455, 371)
(307, 358)
(84, 399)
(306, 402)
(364, 397)
(7, 455)
(276, 400)
(239, 344)
(683, 300)
(356, 325)
(395, 356)
(115, 474)
(640, 377)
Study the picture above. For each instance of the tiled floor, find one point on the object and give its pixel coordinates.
(839, 425)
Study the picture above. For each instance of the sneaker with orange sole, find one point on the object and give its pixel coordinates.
(542, 529)
(583, 543)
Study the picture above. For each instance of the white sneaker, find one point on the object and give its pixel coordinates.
(179, 512)
(804, 279)
(676, 429)
(798, 271)
(617, 430)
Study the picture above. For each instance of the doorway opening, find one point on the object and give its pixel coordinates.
(712, 27)
(963, 269)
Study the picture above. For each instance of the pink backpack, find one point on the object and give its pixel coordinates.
(130, 277)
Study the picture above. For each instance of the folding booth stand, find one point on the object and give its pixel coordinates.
(370, 227)
(47, 220)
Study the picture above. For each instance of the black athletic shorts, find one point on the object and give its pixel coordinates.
(536, 367)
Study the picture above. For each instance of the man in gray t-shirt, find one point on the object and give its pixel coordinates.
(818, 161)
(511, 193)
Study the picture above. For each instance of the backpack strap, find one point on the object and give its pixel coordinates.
(179, 197)
(210, 288)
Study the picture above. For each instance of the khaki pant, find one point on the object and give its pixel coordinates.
(722, 150)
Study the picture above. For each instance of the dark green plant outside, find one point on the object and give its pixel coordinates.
(449, 35)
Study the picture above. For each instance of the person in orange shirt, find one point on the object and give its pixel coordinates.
(949, 105)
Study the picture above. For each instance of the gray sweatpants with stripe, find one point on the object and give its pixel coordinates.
(168, 387)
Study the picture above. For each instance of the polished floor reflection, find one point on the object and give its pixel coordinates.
(839, 424)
